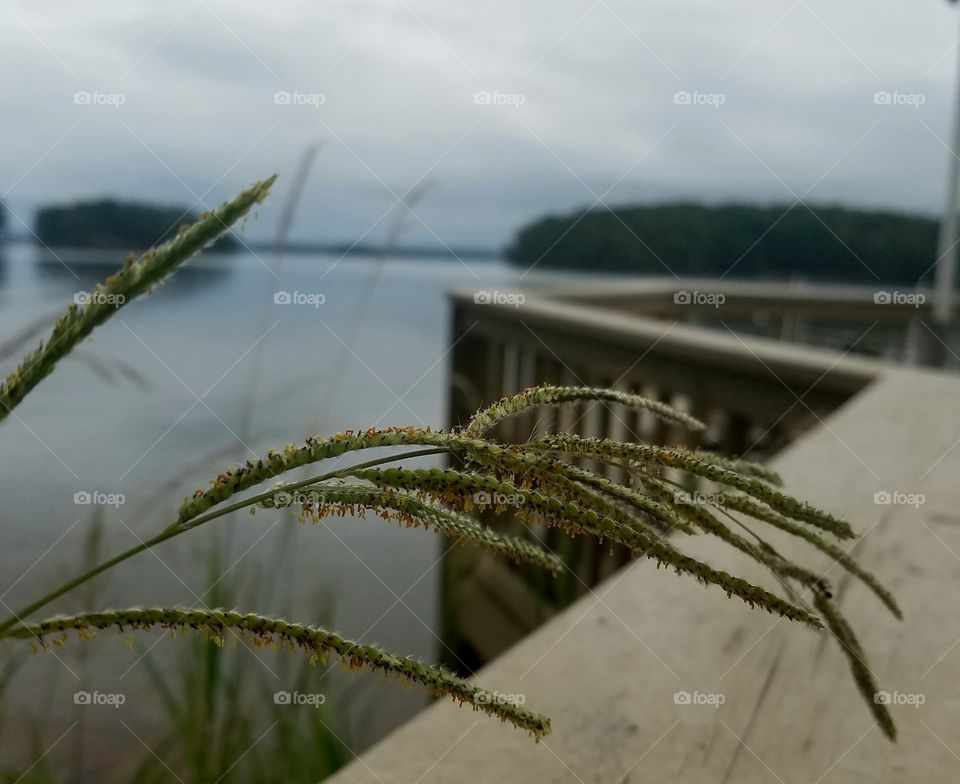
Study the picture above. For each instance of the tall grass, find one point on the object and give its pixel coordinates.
(539, 482)
(215, 703)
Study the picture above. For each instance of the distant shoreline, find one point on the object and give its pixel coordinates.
(335, 248)
(403, 251)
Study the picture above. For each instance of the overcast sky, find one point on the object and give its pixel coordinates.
(508, 109)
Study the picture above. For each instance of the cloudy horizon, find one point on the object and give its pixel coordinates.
(504, 114)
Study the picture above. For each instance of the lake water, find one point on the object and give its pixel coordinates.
(160, 401)
(206, 372)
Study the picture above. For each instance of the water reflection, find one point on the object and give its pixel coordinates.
(194, 343)
(81, 269)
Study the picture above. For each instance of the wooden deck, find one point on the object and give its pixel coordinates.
(607, 668)
(757, 396)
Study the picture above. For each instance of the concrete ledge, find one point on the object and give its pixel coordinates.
(607, 669)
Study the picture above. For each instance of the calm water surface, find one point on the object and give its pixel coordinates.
(206, 372)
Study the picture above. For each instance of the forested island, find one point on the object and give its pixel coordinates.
(108, 223)
(772, 242)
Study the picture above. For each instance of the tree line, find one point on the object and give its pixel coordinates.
(108, 223)
(772, 242)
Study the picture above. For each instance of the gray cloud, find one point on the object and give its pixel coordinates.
(595, 83)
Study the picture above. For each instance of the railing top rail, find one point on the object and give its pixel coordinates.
(844, 301)
(702, 346)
